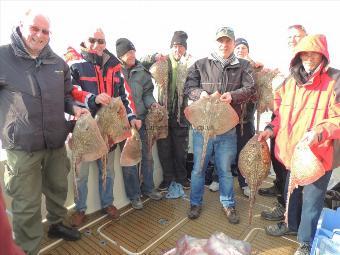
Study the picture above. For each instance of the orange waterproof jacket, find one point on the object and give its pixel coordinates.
(312, 105)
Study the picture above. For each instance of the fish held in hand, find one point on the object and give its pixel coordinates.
(132, 152)
(113, 122)
(114, 127)
(156, 123)
(160, 72)
(211, 117)
(305, 168)
(254, 164)
(86, 144)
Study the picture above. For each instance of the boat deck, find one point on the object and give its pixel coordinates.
(156, 228)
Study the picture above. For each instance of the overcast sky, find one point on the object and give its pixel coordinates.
(150, 24)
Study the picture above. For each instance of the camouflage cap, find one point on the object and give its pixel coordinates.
(225, 31)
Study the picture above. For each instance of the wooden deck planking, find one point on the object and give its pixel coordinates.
(139, 229)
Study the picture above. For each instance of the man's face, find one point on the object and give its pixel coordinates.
(178, 51)
(310, 60)
(225, 46)
(294, 36)
(96, 43)
(241, 51)
(129, 58)
(35, 33)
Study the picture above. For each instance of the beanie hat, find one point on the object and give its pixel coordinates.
(179, 37)
(243, 41)
(123, 45)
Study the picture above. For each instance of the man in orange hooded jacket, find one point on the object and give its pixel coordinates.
(307, 107)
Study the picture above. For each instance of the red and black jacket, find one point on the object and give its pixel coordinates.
(90, 79)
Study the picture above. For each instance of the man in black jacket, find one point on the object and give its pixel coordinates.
(35, 91)
(221, 72)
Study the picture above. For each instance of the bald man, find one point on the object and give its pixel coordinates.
(35, 92)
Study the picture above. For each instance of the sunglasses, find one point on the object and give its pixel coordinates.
(36, 29)
(95, 40)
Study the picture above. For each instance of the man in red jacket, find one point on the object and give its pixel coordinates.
(96, 78)
(306, 108)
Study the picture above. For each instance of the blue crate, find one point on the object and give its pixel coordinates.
(327, 236)
(328, 246)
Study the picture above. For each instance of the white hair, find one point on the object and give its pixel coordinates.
(30, 14)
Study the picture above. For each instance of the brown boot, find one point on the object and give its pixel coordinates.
(232, 216)
(78, 218)
(194, 211)
(111, 211)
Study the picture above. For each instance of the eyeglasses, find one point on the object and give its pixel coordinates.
(94, 40)
(36, 29)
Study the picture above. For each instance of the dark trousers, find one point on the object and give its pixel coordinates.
(280, 172)
(295, 205)
(172, 152)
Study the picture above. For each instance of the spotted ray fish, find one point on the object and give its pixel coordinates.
(132, 152)
(113, 125)
(211, 117)
(86, 144)
(305, 168)
(254, 164)
(156, 123)
(160, 72)
(263, 82)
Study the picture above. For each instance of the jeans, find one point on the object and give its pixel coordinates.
(242, 139)
(224, 147)
(106, 196)
(305, 206)
(131, 175)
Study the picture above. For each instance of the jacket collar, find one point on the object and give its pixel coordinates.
(233, 63)
(314, 78)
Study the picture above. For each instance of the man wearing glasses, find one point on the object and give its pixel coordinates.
(96, 78)
(35, 91)
(232, 77)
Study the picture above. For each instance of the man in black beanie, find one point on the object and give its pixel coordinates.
(141, 84)
(173, 150)
(179, 38)
(123, 45)
(241, 48)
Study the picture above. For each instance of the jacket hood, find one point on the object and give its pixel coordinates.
(315, 43)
